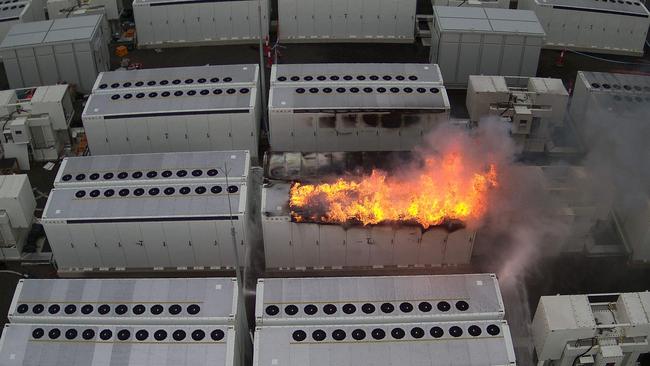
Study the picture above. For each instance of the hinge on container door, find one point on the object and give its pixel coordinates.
(399, 133)
(215, 243)
(189, 242)
(106, 138)
(207, 135)
(229, 134)
(290, 243)
(166, 136)
(148, 138)
(312, 16)
(140, 243)
(314, 133)
(127, 138)
(119, 245)
(317, 243)
(164, 243)
(291, 133)
(95, 245)
(71, 245)
(185, 136)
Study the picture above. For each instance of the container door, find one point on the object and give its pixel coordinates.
(458, 249)
(304, 238)
(390, 124)
(204, 243)
(242, 130)
(277, 243)
(29, 67)
(381, 246)
(177, 130)
(131, 239)
(332, 245)
(357, 247)
(207, 23)
(405, 22)
(116, 133)
(240, 21)
(448, 61)
(369, 132)
(192, 16)
(161, 26)
(154, 244)
(388, 18)
(223, 21)
(253, 20)
(224, 240)
(491, 55)
(339, 19)
(198, 133)
(281, 131)
(158, 135)
(530, 60)
(304, 131)
(219, 127)
(432, 247)
(83, 239)
(62, 246)
(370, 18)
(347, 126)
(469, 56)
(138, 135)
(96, 135)
(108, 241)
(177, 235)
(47, 63)
(288, 25)
(355, 19)
(177, 27)
(142, 15)
(511, 62)
(323, 19)
(412, 132)
(407, 245)
(306, 18)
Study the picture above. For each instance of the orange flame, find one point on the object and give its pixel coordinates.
(443, 189)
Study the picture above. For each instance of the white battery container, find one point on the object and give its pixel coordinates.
(382, 299)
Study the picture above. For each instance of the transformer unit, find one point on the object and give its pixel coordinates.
(17, 205)
(205, 301)
(176, 114)
(347, 21)
(128, 345)
(151, 224)
(348, 107)
(167, 168)
(36, 122)
(483, 41)
(474, 3)
(598, 329)
(394, 299)
(448, 343)
(183, 23)
(71, 50)
(615, 27)
(289, 244)
(533, 112)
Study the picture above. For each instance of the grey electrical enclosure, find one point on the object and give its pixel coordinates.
(354, 107)
(466, 343)
(125, 301)
(13, 13)
(183, 23)
(484, 41)
(209, 108)
(122, 223)
(614, 27)
(71, 50)
(386, 299)
(127, 345)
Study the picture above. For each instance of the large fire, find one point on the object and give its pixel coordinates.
(444, 189)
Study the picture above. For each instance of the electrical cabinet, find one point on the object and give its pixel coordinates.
(95, 345)
(354, 107)
(71, 50)
(484, 41)
(613, 27)
(451, 343)
(182, 23)
(147, 112)
(289, 244)
(346, 21)
(101, 217)
(125, 301)
(344, 300)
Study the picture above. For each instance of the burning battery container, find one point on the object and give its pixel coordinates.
(291, 244)
(386, 299)
(469, 343)
(71, 50)
(484, 41)
(120, 219)
(184, 23)
(614, 27)
(354, 107)
(176, 109)
(95, 345)
(125, 301)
